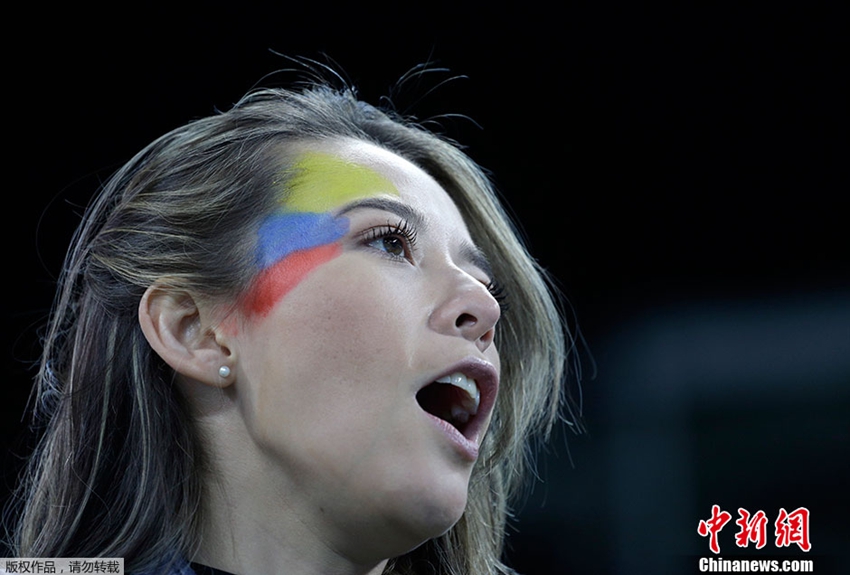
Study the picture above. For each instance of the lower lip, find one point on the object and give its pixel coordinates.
(466, 448)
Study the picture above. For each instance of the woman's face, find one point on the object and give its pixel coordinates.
(364, 362)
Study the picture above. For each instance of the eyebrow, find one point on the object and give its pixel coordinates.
(469, 252)
(402, 210)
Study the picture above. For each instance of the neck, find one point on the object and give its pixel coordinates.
(251, 524)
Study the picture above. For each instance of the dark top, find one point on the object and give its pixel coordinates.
(207, 570)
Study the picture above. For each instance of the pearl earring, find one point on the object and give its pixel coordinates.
(224, 371)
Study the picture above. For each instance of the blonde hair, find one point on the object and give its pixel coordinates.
(116, 471)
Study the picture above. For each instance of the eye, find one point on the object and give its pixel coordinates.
(396, 241)
(393, 245)
(498, 292)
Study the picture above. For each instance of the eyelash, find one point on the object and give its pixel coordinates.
(497, 291)
(402, 230)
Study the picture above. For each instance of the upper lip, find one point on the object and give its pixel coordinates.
(486, 377)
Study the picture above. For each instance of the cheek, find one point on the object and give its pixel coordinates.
(329, 369)
(343, 325)
(348, 326)
(354, 316)
(274, 282)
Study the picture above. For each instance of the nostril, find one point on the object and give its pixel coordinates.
(465, 320)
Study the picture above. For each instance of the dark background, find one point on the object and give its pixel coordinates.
(680, 171)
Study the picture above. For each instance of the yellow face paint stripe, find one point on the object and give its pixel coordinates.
(323, 182)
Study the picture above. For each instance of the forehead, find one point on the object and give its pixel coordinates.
(344, 170)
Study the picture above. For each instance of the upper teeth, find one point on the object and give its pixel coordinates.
(468, 385)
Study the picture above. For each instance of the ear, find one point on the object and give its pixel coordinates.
(182, 334)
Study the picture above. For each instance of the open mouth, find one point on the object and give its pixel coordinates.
(453, 398)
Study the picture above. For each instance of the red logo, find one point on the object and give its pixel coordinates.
(751, 529)
(791, 528)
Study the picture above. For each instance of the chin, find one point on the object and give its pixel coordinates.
(406, 522)
(437, 520)
(430, 513)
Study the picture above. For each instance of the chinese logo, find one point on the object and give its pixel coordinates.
(789, 528)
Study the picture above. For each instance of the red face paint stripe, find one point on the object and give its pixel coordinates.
(276, 281)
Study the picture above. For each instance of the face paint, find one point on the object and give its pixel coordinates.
(303, 233)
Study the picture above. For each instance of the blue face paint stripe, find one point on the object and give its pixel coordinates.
(284, 233)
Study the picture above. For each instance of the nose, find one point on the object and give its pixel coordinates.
(467, 310)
